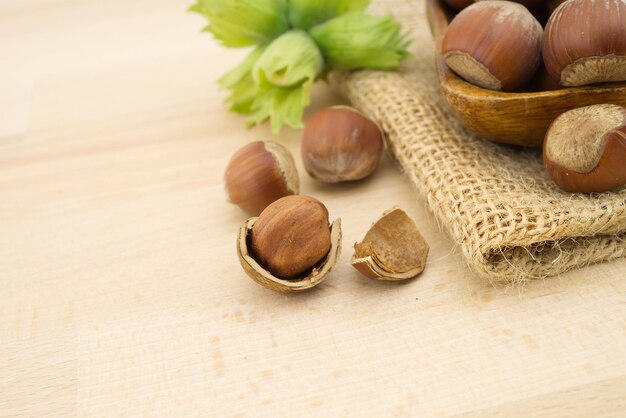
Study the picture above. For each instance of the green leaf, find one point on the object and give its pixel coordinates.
(241, 84)
(357, 40)
(241, 23)
(304, 14)
(284, 74)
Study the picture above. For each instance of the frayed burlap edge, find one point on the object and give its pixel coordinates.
(510, 221)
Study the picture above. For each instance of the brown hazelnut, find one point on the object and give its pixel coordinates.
(290, 246)
(585, 149)
(341, 144)
(553, 4)
(585, 42)
(543, 82)
(392, 250)
(260, 173)
(530, 4)
(494, 44)
(458, 4)
(538, 8)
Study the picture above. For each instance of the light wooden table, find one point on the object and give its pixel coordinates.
(120, 290)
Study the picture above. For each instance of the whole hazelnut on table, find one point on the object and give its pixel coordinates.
(291, 246)
(585, 42)
(341, 144)
(494, 44)
(585, 149)
(260, 173)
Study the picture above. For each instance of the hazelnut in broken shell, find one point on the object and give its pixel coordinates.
(585, 42)
(494, 44)
(341, 144)
(585, 149)
(290, 247)
(392, 250)
(260, 173)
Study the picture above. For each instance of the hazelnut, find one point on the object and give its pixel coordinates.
(531, 4)
(538, 8)
(553, 4)
(290, 246)
(585, 42)
(341, 144)
(585, 149)
(494, 44)
(458, 4)
(260, 173)
(392, 250)
(543, 82)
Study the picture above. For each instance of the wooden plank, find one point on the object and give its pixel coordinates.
(122, 294)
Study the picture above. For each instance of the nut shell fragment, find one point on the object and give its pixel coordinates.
(392, 250)
(263, 277)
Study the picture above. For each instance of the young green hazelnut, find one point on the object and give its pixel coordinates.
(494, 44)
(260, 173)
(585, 42)
(341, 144)
(585, 149)
(291, 246)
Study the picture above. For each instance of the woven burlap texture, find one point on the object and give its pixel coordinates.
(502, 210)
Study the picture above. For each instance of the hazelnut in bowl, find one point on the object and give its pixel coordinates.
(504, 108)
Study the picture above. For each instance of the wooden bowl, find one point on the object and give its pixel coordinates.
(510, 118)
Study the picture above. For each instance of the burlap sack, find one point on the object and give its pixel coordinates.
(497, 202)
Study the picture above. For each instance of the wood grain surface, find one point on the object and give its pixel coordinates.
(121, 294)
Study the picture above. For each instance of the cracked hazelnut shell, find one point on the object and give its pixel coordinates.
(341, 144)
(291, 246)
(260, 173)
(392, 250)
(494, 44)
(585, 42)
(585, 149)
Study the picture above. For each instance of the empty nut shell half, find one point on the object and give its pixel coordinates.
(392, 250)
(265, 278)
